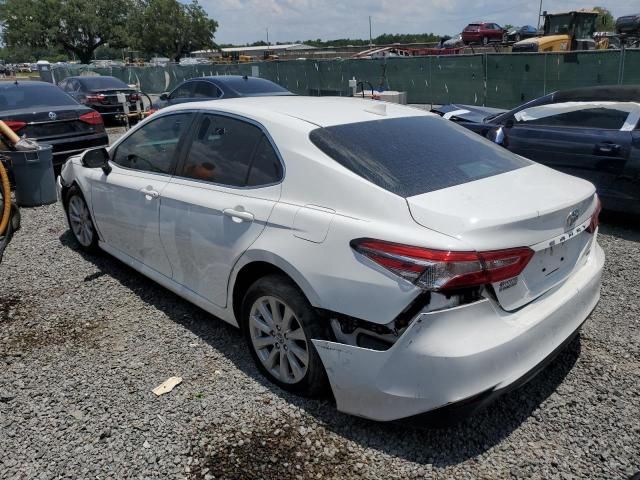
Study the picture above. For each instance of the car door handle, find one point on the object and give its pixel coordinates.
(149, 194)
(606, 147)
(238, 215)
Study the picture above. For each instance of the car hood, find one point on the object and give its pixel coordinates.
(522, 207)
(468, 113)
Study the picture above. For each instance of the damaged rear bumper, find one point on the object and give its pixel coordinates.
(452, 362)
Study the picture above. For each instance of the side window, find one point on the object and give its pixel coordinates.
(266, 167)
(205, 90)
(580, 116)
(154, 147)
(74, 85)
(183, 91)
(64, 85)
(221, 151)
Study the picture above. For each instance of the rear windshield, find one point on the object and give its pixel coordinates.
(15, 97)
(414, 155)
(253, 86)
(100, 83)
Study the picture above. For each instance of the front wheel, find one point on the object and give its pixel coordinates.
(279, 323)
(80, 220)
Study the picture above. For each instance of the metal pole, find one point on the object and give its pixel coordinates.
(539, 14)
(370, 38)
(268, 36)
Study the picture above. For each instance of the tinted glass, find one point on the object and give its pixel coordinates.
(205, 90)
(252, 86)
(154, 147)
(221, 151)
(266, 167)
(101, 83)
(604, 118)
(182, 91)
(414, 155)
(14, 96)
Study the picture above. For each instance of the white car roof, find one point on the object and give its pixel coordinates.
(321, 111)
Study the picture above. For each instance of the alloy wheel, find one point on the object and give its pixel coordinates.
(278, 339)
(80, 220)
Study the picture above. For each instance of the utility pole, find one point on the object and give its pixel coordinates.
(539, 14)
(370, 39)
(268, 36)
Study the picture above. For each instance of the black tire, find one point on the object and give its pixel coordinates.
(90, 242)
(485, 41)
(315, 381)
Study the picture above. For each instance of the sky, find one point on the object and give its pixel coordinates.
(246, 21)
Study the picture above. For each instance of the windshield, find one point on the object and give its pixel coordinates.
(101, 83)
(414, 155)
(558, 24)
(15, 97)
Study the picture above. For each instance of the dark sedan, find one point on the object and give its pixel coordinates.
(516, 34)
(593, 133)
(218, 87)
(42, 111)
(107, 95)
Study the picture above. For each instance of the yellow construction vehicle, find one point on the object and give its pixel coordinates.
(563, 32)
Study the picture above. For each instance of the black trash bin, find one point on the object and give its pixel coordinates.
(33, 175)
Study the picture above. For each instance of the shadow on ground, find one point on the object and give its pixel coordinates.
(440, 447)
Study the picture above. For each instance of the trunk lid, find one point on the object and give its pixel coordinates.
(111, 95)
(52, 122)
(534, 207)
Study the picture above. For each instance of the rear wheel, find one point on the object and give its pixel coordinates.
(80, 220)
(278, 324)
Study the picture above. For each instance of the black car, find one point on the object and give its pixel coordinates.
(45, 113)
(215, 88)
(516, 34)
(593, 133)
(102, 94)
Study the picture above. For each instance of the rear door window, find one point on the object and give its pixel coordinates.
(222, 151)
(183, 91)
(205, 90)
(414, 155)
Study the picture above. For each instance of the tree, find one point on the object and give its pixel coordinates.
(605, 21)
(172, 29)
(77, 26)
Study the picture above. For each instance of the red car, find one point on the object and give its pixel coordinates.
(482, 32)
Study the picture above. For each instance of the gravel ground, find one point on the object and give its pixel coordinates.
(84, 340)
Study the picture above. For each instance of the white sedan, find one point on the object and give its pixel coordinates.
(404, 261)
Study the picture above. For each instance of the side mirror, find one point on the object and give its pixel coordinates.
(96, 158)
(164, 96)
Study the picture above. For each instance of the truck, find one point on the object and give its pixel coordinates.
(563, 32)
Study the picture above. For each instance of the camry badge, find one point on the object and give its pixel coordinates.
(52, 115)
(572, 218)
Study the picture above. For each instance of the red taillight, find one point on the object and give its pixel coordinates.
(439, 270)
(15, 125)
(92, 118)
(595, 218)
(95, 98)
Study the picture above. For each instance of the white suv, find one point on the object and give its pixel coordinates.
(409, 263)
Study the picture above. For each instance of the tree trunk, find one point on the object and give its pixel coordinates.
(85, 56)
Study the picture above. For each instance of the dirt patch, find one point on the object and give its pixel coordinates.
(8, 307)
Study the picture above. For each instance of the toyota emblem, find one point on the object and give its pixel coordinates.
(572, 218)
(52, 115)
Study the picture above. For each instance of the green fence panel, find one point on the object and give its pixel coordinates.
(631, 69)
(411, 75)
(513, 79)
(581, 69)
(457, 78)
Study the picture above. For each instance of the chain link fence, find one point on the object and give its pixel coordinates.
(496, 80)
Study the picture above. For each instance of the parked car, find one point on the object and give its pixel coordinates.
(42, 111)
(482, 32)
(590, 132)
(454, 42)
(516, 34)
(217, 87)
(379, 249)
(628, 24)
(101, 93)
